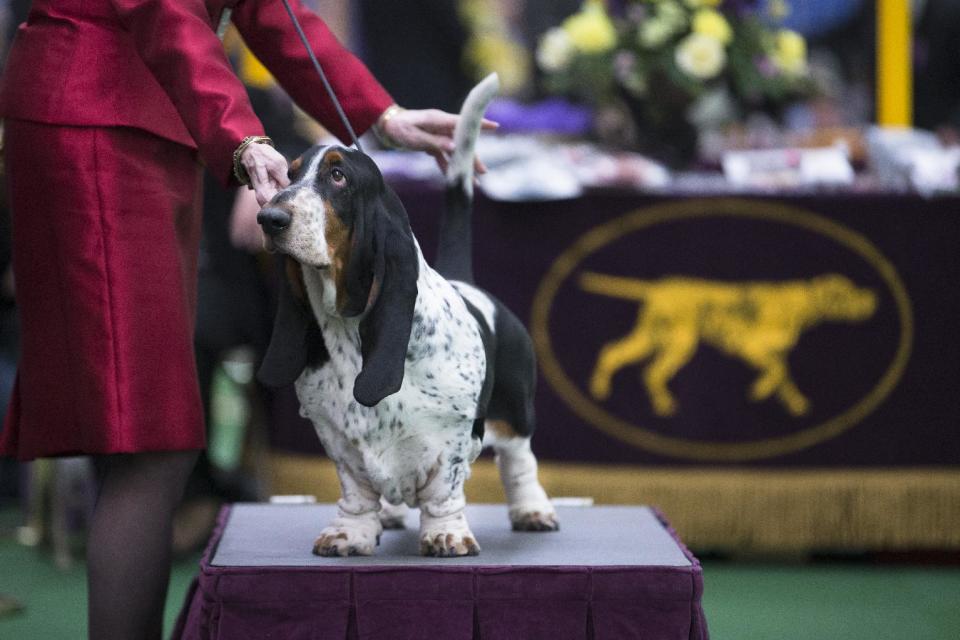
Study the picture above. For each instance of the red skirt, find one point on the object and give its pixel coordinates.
(106, 229)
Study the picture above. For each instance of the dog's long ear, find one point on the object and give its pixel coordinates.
(388, 255)
(296, 340)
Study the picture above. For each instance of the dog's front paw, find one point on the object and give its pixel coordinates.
(446, 544)
(344, 540)
(446, 536)
(542, 518)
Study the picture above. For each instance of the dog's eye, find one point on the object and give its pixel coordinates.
(337, 175)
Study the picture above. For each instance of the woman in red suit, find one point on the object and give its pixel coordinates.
(109, 108)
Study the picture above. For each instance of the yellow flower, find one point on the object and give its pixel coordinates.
(712, 23)
(790, 52)
(591, 30)
(700, 56)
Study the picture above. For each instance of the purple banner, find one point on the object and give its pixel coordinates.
(799, 331)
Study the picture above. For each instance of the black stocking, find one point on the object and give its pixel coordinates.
(128, 554)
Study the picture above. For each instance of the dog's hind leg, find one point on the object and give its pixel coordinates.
(530, 508)
(510, 422)
(356, 529)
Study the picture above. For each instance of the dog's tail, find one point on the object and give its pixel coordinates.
(455, 251)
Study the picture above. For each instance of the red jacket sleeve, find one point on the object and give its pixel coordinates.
(267, 30)
(176, 41)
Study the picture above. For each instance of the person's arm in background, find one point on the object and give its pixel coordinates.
(176, 41)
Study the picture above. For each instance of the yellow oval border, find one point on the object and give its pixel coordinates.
(654, 442)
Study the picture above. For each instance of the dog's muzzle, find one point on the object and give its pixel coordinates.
(273, 220)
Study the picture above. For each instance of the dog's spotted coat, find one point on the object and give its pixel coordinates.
(402, 427)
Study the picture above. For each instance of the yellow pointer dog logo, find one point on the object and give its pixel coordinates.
(759, 322)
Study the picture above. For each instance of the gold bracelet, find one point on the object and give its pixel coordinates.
(239, 171)
(380, 128)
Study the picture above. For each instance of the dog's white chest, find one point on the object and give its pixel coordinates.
(424, 428)
(326, 393)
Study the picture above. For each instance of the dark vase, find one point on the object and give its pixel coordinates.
(662, 130)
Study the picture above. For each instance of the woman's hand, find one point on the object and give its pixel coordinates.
(429, 130)
(267, 170)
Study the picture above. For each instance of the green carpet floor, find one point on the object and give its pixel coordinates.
(55, 600)
(750, 601)
(829, 601)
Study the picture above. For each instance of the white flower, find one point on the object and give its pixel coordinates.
(555, 50)
(700, 56)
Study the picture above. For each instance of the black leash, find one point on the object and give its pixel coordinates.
(323, 76)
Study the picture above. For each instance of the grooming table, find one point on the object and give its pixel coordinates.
(610, 573)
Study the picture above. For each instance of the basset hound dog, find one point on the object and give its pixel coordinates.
(405, 370)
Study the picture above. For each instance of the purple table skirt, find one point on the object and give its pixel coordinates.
(407, 597)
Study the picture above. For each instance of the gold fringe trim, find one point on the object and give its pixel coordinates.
(730, 510)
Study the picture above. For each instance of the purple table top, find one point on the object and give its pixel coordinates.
(609, 573)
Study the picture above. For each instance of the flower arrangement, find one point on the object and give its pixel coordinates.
(704, 62)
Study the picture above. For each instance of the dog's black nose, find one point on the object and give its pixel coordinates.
(273, 220)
